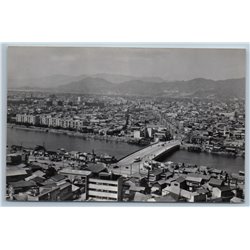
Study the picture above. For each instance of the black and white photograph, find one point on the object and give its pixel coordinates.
(122, 121)
(125, 124)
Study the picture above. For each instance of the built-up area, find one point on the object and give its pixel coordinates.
(36, 174)
(202, 125)
(41, 175)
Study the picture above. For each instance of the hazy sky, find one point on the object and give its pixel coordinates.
(170, 64)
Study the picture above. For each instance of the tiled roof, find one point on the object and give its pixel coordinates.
(96, 168)
(215, 182)
(58, 177)
(21, 184)
(193, 179)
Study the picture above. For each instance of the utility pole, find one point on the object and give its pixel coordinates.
(148, 174)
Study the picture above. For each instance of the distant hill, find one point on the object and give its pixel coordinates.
(113, 78)
(88, 85)
(116, 78)
(194, 88)
(42, 82)
(125, 85)
(60, 80)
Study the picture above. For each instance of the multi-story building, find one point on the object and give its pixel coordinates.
(105, 190)
(30, 119)
(44, 120)
(95, 189)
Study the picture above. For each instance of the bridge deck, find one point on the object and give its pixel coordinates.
(128, 165)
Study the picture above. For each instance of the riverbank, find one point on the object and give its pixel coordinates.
(223, 162)
(70, 133)
(54, 141)
(88, 136)
(219, 153)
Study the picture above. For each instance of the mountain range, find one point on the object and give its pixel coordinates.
(110, 84)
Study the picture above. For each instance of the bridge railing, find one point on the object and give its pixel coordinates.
(164, 152)
(177, 144)
(137, 151)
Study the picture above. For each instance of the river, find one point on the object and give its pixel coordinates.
(118, 149)
(230, 164)
(53, 141)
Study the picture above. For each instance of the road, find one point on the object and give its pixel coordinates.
(128, 166)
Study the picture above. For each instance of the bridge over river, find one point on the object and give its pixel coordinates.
(132, 163)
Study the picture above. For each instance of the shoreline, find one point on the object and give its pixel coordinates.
(223, 154)
(69, 133)
(100, 137)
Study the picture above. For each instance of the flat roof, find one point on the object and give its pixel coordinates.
(69, 171)
(15, 172)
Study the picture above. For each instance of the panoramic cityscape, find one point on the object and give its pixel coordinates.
(160, 125)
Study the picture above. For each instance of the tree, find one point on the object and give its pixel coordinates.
(50, 171)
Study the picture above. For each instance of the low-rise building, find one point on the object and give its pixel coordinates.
(224, 192)
(216, 182)
(193, 182)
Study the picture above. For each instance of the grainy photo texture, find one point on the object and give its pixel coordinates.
(125, 124)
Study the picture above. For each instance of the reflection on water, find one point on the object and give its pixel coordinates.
(54, 141)
(210, 160)
(117, 149)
